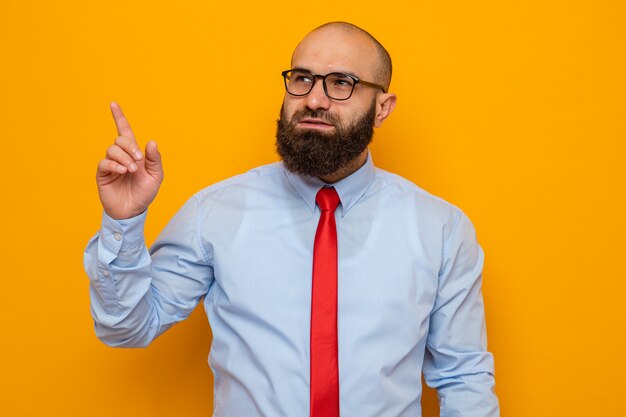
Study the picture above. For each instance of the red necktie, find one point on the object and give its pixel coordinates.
(324, 364)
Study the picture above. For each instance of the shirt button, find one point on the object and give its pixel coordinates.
(117, 236)
(105, 273)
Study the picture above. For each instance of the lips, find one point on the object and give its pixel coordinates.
(314, 123)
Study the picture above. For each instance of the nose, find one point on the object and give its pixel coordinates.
(317, 98)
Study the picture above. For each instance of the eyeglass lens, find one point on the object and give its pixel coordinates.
(338, 86)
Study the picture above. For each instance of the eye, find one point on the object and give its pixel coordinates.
(340, 81)
(300, 77)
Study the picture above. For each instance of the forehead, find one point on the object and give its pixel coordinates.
(330, 50)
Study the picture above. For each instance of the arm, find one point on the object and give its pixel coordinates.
(136, 295)
(457, 362)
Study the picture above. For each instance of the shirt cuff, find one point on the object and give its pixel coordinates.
(120, 235)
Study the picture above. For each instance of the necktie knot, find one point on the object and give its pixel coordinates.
(327, 199)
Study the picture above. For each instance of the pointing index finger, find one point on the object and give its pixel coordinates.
(122, 125)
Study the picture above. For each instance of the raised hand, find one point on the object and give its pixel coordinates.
(128, 181)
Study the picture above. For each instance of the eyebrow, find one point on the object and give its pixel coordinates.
(340, 72)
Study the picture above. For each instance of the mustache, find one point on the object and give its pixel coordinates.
(323, 115)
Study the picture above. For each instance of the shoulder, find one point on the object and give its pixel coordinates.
(260, 177)
(404, 191)
(433, 212)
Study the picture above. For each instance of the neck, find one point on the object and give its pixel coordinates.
(346, 170)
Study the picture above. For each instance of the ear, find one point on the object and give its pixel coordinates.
(385, 103)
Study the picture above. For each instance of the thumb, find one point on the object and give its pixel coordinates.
(153, 159)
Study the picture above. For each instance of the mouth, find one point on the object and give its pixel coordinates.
(314, 123)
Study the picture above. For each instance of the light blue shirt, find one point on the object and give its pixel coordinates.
(409, 293)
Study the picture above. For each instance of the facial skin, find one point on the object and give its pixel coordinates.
(337, 49)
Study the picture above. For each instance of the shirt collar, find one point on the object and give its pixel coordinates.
(350, 189)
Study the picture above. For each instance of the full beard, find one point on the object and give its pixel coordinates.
(319, 154)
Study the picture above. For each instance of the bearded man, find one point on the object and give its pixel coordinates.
(330, 285)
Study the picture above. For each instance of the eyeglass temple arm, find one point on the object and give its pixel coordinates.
(367, 83)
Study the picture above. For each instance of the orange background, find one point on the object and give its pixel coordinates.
(514, 111)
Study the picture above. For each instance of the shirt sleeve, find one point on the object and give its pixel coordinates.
(457, 362)
(137, 294)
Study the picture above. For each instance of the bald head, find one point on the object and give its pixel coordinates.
(381, 70)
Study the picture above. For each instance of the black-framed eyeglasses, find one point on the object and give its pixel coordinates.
(337, 85)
